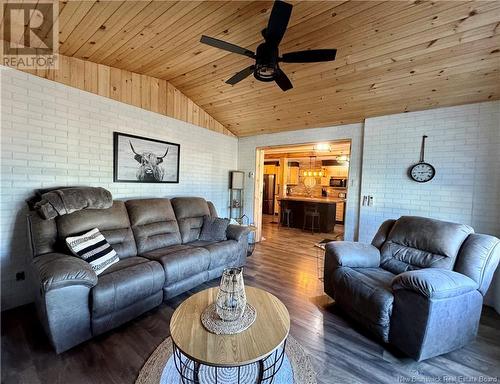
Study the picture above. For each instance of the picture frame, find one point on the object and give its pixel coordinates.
(138, 159)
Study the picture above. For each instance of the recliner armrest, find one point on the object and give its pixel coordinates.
(57, 270)
(434, 283)
(236, 232)
(352, 254)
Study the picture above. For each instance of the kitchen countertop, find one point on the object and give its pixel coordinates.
(324, 200)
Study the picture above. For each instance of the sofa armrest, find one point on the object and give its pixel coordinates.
(236, 232)
(57, 270)
(351, 254)
(434, 283)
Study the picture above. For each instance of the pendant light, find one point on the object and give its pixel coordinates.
(313, 171)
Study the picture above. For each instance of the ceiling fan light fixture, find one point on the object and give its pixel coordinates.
(323, 147)
(343, 158)
(267, 57)
(265, 72)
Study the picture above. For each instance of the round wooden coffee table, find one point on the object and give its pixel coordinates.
(254, 355)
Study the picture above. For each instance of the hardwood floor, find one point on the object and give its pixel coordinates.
(285, 265)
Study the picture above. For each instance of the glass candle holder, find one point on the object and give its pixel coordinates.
(231, 298)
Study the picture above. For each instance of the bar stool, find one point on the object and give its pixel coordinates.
(285, 214)
(286, 217)
(311, 211)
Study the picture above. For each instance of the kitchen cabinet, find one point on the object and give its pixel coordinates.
(326, 206)
(269, 169)
(293, 175)
(340, 212)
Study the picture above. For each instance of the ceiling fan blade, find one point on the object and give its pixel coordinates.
(283, 81)
(278, 21)
(243, 74)
(226, 46)
(311, 56)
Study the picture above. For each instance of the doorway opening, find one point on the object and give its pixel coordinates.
(302, 188)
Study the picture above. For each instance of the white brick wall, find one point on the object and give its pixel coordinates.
(246, 155)
(53, 135)
(464, 147)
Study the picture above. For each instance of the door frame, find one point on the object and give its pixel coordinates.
(259, 179)
(258, 192)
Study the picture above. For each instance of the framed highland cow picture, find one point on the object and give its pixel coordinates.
(139, 159)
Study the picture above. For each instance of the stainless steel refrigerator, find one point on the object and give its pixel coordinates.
(268, 195)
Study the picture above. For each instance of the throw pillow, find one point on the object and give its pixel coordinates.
(94, 249)
(214, 229)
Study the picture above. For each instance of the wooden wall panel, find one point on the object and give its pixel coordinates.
(152, 94)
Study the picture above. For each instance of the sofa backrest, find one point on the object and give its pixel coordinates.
(153, 223)
(113, 223)
(189, 212)
(418, 242)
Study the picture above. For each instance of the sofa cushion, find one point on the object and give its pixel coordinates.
(180, 261)
(125, 263)
(418, 242)
(201, 243)
(214, 229)
(366, 295)
(223, 253)
(189, 212)
(113, 223)
(127, 283)
(153, 223)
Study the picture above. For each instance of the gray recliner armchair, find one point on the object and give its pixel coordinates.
(418, 286)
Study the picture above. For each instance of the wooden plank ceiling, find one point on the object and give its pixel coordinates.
(393, 56)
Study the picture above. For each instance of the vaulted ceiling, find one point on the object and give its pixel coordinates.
(393, 56)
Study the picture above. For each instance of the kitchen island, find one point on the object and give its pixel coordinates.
(327, 207)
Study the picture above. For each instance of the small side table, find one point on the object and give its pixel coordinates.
(320, 257)
(251, 239)
(251, 235)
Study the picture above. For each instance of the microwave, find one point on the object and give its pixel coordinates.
(338, 182)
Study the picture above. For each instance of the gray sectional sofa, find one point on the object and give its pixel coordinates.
(418, 286)
(160, 257)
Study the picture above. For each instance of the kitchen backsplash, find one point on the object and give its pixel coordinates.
(321, 182)
(316, 191)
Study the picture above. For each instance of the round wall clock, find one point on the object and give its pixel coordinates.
(422, 172)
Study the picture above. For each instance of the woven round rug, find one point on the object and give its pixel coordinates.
(296, 368)
(213, 323)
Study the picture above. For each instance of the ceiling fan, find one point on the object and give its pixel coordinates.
(267, 58)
